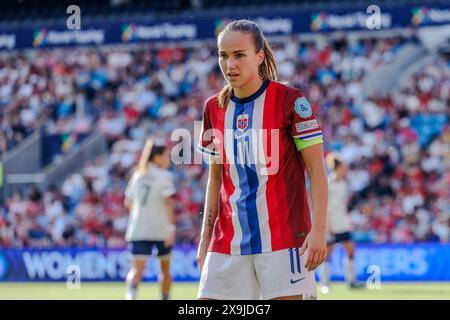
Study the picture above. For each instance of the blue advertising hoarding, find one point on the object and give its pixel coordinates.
(95, 264)
(198, 28)
(396, 262)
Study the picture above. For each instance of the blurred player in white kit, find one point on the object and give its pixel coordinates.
(339, 224)
(151, 223)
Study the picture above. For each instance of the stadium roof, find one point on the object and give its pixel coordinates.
(16, 13)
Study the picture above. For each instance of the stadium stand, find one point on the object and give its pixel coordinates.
(397, 144)
(375, 136)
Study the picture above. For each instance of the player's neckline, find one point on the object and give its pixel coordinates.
(252, 97)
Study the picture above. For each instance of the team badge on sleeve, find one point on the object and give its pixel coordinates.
(302, 107)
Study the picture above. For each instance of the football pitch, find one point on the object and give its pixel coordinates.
(187, 291)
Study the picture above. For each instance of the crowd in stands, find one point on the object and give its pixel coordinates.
(397, 145)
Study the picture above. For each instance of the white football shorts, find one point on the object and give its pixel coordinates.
(259, 276)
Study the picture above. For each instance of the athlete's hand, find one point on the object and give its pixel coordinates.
(201, 253)
(315, 242)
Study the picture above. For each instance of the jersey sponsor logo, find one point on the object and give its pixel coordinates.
(307, 125)
(302, 107)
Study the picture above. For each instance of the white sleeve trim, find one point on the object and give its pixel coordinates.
(207, 151)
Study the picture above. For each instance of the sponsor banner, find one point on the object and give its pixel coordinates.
(389, 262)
(422, 16)
(329, 21)
(55, 37)
(396, 262)
(94, 264)
(279, 22)
(7, 40)
(132, 32)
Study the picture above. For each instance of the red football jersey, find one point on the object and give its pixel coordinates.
(263, 203)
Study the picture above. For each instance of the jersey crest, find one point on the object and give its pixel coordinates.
(242, 122)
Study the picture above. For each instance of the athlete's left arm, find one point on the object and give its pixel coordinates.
(315, 242)
(167, 192)
(169, 204)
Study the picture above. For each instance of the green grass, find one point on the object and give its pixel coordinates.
(187, 291)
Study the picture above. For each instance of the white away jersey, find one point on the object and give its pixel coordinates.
(338, 196)
(148, 192)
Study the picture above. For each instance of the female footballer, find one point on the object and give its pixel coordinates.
(339, 229)
(260, 137)
(151, 223)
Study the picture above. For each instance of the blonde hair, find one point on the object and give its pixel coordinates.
(267, 69)
(333, 160)
(145, 156)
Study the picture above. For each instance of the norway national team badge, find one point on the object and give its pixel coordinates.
(242, 122)
(302, 107)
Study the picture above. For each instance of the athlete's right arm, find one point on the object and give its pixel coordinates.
(210, 211)
(128, 204)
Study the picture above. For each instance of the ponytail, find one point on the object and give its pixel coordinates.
(268, 68)
(225, 95)
(145, 156)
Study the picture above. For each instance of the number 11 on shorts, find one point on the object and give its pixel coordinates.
(295, 255)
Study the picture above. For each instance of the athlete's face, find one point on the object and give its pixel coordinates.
(239, 60)
(162, 160)
(341, 171)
